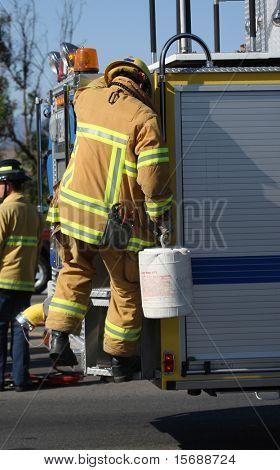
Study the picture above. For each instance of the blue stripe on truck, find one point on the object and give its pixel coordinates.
(236, 269)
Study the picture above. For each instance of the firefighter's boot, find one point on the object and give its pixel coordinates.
(123, 368)
(60, 352)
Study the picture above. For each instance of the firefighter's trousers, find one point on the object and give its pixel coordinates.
(74, 284)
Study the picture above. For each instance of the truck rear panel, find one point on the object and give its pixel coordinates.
(226, 140)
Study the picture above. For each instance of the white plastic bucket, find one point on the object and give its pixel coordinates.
(166, 282)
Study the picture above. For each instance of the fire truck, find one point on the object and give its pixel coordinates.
(220, 116)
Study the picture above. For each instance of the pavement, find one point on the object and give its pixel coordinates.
(98, 415)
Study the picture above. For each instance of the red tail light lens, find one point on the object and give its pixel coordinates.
(168, 363)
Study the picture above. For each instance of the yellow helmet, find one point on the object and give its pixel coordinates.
(130, 64)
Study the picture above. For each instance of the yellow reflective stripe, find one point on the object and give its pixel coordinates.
(151, 205)
(52, 219)
(130, 168)
(159, 211)
(81, 232)
(101, 134)
(153, 156)
(69, 303)
(16, 285)
(159, 150)
(11, 243)
(23, 238)
(68, 174)
(110, 175)
(67, 178)
(127, 334)
(15, 240)
(80, 316)
(151, 161)
(65, 306)
(129, 173)
(114, 176)
(82, 198)
(158, 208)
(136, 244)
(94, 206)
(130, 164)
(53, 214)
(75, 225)
(104, 130)
(6, 168)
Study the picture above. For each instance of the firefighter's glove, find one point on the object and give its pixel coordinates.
(165, 234)
(162, 229)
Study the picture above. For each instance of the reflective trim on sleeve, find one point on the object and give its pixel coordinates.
(14, 240)
(75, 309)
(16, 285)
(126, 334)
(152, 157)
(53, 215)
(136, 244)
(158, 208)
(81, 232)
(130, 169)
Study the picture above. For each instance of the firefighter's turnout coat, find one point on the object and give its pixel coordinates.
(20, 241)
(118, 156)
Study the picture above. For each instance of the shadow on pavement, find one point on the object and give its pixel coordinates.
(235, 428)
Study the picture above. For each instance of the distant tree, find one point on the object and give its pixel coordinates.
(6, 109)
(70, 17)
(23, 54)
(22, 63)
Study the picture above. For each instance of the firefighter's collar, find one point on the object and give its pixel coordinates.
(14, 197)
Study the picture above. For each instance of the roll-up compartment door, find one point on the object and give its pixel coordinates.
(228, 157)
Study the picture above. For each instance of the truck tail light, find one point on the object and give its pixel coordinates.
(169, 363)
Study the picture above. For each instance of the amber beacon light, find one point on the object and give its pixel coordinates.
(86, 60)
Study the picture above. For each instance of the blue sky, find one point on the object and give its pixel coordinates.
(120, 28)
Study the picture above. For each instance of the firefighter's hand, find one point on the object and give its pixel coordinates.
(165, 234)
(162, 228)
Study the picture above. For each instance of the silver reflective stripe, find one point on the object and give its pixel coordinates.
(115, 176)
(152, 157)
(80, 231)
(138, 246)
(126, 336)
(130, 168)
(15, 240)
(159, 209)
(67, 178)
(85, 203)
(104, 135)
(68, 307)
(16, 285)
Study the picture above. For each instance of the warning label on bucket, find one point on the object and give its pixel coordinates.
(155, 286)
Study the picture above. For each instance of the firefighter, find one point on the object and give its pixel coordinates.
(118, 171)
(20, 233)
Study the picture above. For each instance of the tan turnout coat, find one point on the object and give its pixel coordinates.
(118, 156)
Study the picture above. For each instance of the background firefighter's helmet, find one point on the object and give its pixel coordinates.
(11, 170)
(129, 64)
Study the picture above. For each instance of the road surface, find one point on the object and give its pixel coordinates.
(134, 415)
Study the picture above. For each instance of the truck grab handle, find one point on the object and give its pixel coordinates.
(164, 51)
